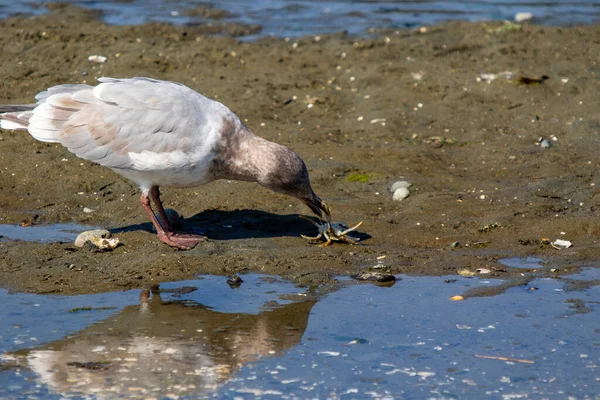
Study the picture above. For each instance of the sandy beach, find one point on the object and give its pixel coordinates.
(456, 109)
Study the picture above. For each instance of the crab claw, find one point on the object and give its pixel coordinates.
(344, 233)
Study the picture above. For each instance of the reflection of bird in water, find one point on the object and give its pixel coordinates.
(163, 349)
(159, 133)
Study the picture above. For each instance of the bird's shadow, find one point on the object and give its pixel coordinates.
(241, 224)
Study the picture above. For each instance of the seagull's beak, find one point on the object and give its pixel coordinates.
(317, 206)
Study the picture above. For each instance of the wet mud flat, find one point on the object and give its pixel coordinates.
(456, 109)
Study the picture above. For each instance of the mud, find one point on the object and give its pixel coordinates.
(401, 105)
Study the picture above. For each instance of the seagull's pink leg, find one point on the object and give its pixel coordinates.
(155, 196)
(182, 241)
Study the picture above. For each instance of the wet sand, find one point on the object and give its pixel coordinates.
(401, 105)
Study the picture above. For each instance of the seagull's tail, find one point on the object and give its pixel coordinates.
(15, 116)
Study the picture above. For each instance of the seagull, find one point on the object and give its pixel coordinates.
(160, 133)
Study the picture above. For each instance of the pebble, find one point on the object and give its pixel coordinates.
(545, 143)
(400, 194)
(374, 277)
(173, 217)
(234, 281)
(400, 184)
(95, 234)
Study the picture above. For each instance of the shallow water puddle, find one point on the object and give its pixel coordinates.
(522, 262)
(270, 339)
(43, 233)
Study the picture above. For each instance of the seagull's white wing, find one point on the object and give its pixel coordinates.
(139, 123)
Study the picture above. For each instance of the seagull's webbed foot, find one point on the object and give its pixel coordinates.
(184, 241)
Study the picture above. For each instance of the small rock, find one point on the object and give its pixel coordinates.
(88, 210)
(483, 270)
(523, 16)
(455, 244)
(465, 272)
(234, 281)
(545, 144)
(400, 184)
(89, 235)
(457, 298)
(400, 194)
(374, 277)
(172, 216)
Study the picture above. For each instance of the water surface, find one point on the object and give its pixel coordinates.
(270, 339)
(43, 233)
(305, 17)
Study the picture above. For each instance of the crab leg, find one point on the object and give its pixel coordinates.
(310, 220)
(350, 239)
(327, 243)
(319, 236)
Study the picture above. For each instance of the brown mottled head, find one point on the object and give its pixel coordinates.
(288, 174)
(241, 155)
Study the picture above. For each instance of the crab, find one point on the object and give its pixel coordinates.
(333, 232)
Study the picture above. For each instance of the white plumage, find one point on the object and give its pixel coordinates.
(159, 133)
(131, 125)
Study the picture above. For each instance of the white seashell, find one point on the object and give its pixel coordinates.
(401, 194)
(561, 244)
(96, 58)
(105, 244)
(400, 184)
(95, 234)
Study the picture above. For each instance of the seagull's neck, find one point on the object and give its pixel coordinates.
(243, 156)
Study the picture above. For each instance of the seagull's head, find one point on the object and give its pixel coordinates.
(289, 175)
